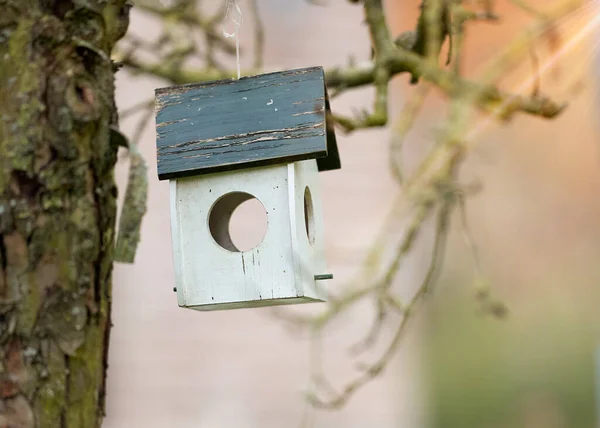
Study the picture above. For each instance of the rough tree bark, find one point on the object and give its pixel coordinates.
(57, 208)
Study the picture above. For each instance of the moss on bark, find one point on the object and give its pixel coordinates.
(57, 208)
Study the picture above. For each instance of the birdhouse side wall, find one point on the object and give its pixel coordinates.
(308, 241)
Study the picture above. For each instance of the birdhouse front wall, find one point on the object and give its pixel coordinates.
(280, 270)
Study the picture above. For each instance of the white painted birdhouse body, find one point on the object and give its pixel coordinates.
(212, 274)
(222, 143)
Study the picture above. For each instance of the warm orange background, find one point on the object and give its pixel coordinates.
(539, 212)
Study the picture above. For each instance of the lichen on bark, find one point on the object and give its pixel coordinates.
(57, 208)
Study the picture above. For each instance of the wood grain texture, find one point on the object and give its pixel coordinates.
(254, 121)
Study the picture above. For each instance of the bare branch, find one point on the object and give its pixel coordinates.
(369, 372)
(259, 35)
(431, 191)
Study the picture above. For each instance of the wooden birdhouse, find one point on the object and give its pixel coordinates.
(224, 142)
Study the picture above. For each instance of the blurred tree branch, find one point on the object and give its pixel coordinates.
(390, 60)
(432, 190)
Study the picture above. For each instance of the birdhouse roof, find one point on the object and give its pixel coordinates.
(231, 124)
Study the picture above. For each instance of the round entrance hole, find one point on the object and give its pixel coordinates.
(238, 222)
(309, 219)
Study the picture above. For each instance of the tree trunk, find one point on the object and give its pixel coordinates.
(57, 208)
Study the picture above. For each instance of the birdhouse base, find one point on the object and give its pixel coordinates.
(255, 304)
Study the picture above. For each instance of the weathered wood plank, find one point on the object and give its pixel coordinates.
(230, 124)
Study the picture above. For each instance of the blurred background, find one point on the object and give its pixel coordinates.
(536, 226)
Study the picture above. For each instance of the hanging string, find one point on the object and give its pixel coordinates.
(233, 14)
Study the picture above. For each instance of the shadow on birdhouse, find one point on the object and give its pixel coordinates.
(222, 143)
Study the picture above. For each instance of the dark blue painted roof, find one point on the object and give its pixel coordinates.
(231, 124)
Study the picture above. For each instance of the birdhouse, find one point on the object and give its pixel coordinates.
(224, 142)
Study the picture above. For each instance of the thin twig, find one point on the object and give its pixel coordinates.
(402, 126)
(142, 123)
(143, 105)
(259, 35)
(378, 322)
(369, 372)
(535, 90)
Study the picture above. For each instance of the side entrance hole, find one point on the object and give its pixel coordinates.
(309, 218)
